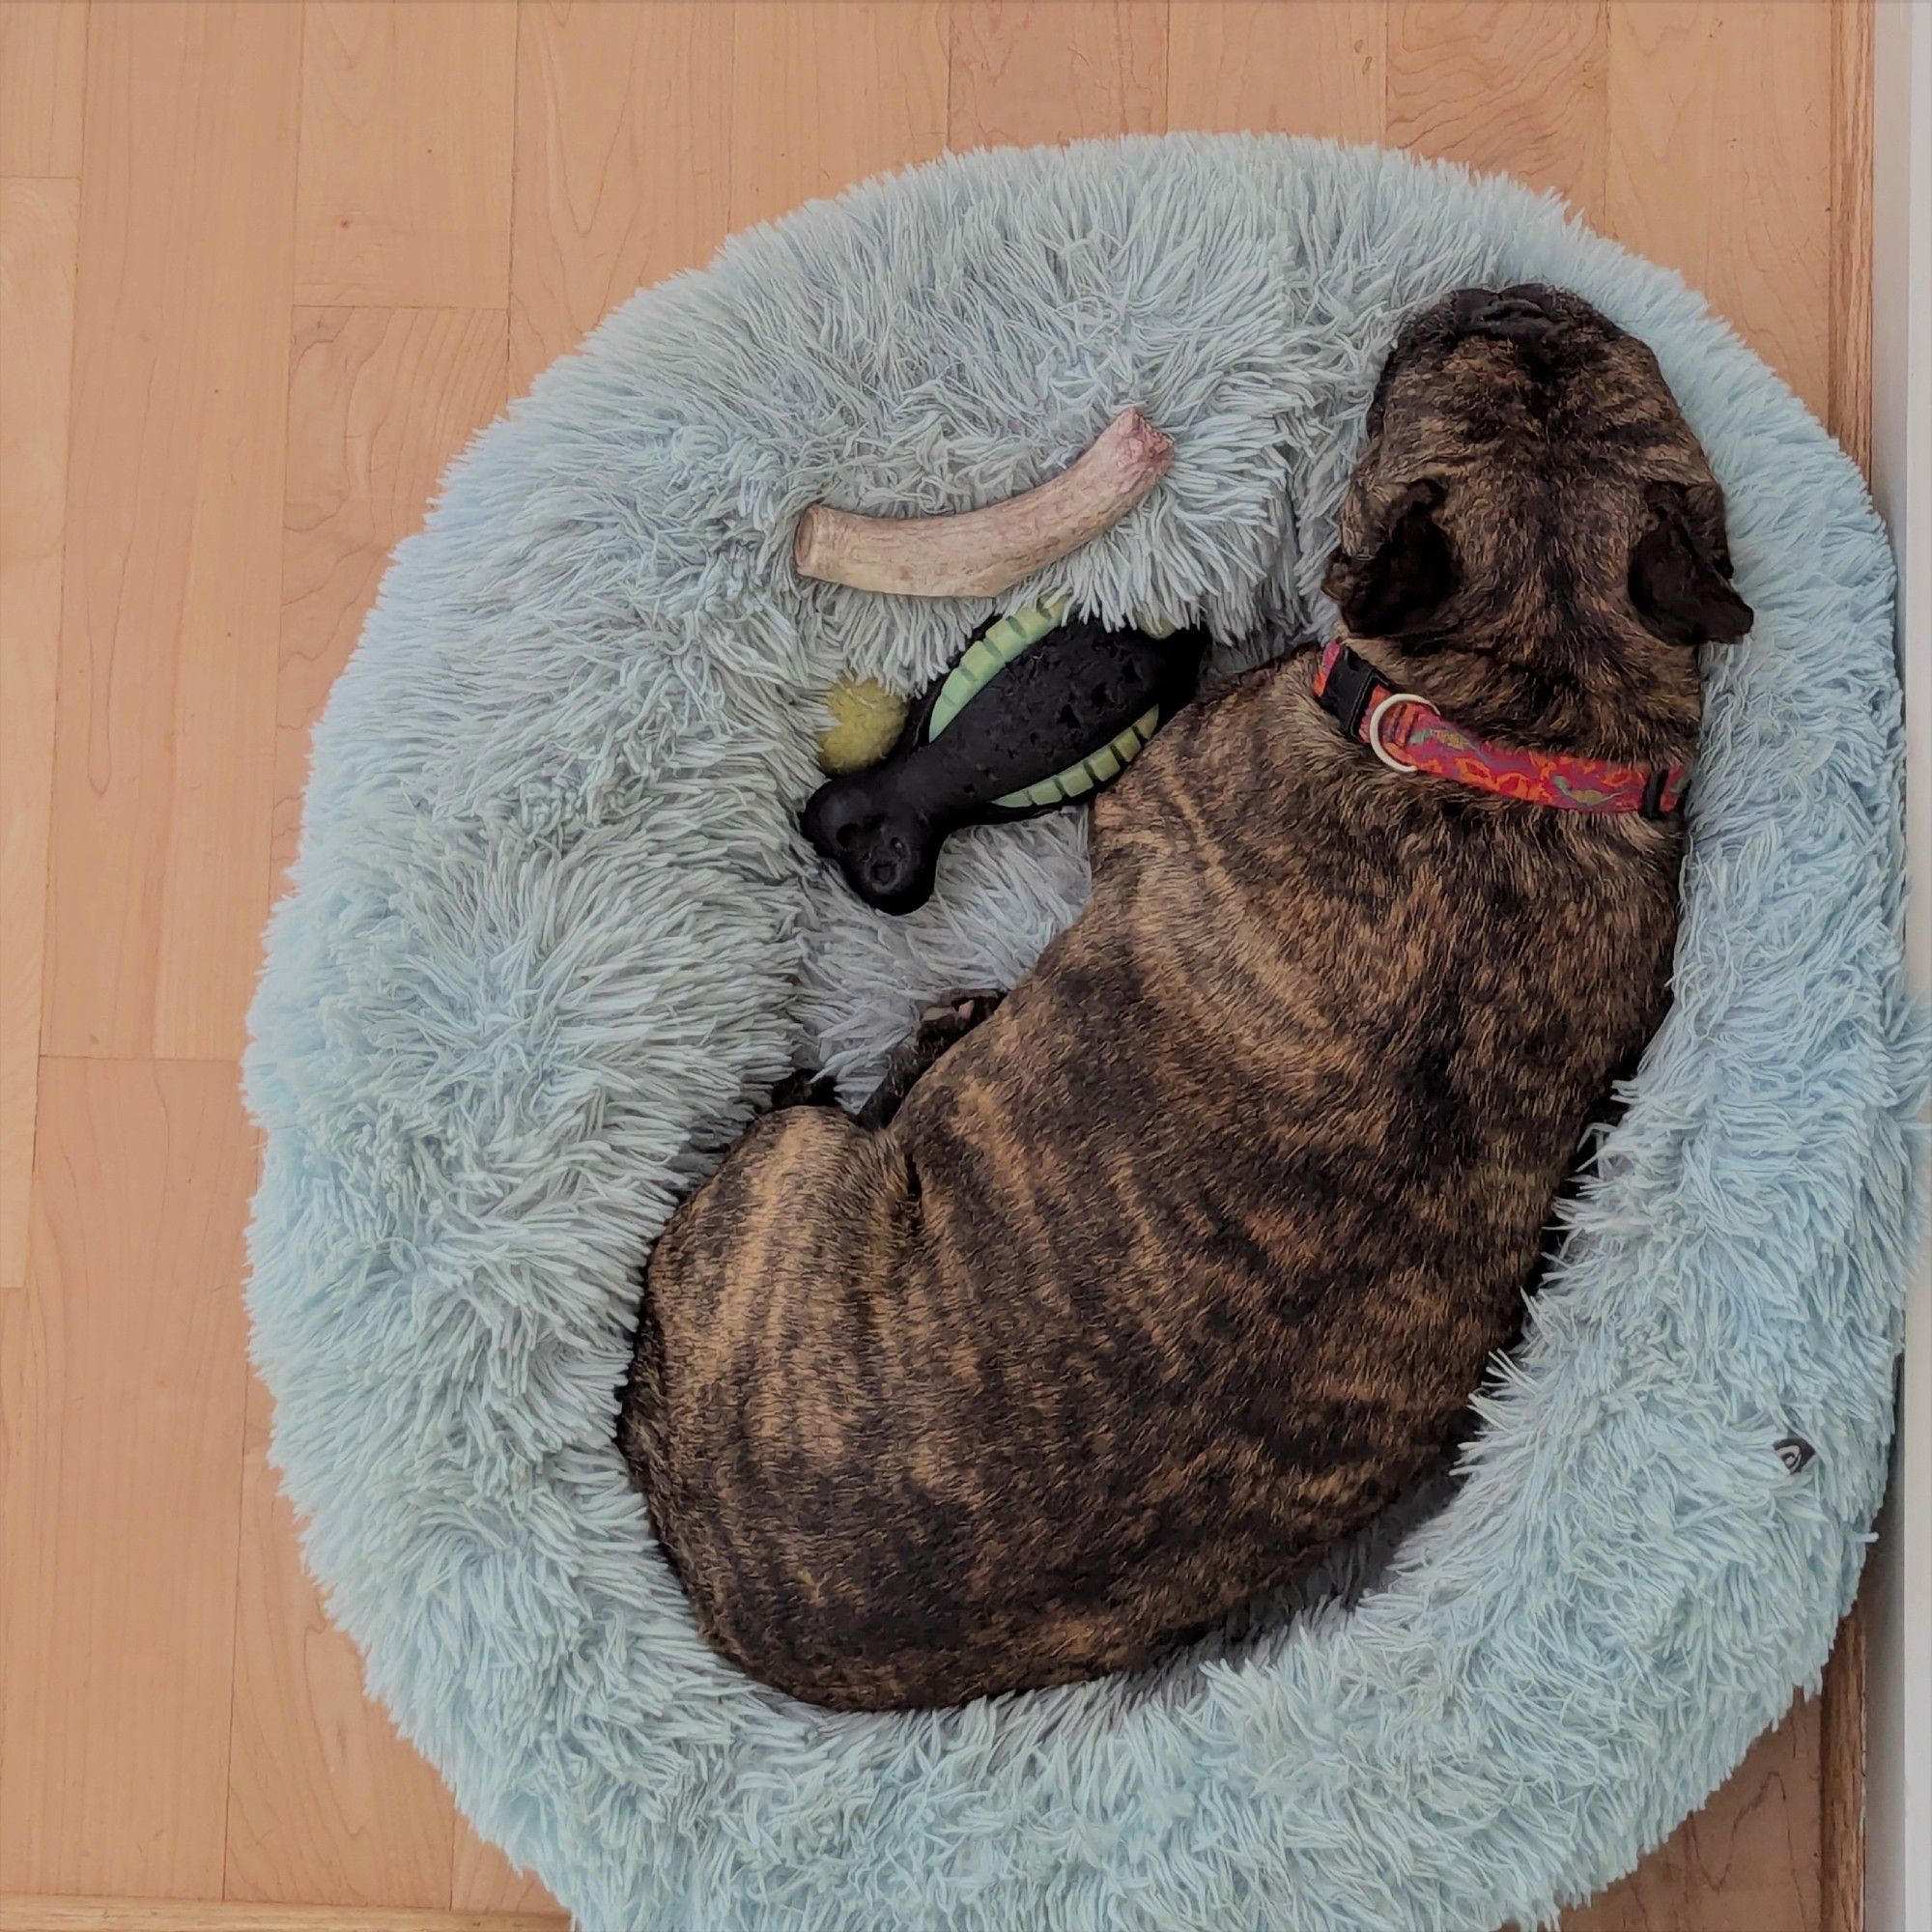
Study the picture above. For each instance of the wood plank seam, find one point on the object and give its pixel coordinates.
(40, 294)
(1842, 1715)
(516, 152)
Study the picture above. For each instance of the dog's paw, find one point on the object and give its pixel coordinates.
(955, 1015)
(803, 1088)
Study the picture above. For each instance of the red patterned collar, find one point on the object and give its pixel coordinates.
(1408, 734)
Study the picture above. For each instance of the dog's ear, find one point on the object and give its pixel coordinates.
(1680, 571)
(1399, 586)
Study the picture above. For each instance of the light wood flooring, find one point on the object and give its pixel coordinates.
(265, 267)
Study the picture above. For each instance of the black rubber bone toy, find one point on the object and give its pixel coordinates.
(1042, 710)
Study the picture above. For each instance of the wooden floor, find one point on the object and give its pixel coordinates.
(265, 267)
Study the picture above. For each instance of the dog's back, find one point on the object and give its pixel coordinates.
(1181, 1265)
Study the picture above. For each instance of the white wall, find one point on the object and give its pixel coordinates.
(1899, 1755)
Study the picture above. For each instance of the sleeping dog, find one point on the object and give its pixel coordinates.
(1121, 1304)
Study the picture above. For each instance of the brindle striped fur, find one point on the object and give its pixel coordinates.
(1188, 1258)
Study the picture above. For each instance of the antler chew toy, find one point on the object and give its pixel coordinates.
(1042, 710)
(981, 552)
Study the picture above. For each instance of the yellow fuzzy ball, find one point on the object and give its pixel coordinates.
(866, 719)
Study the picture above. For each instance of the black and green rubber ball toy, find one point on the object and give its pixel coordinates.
(1045, 708)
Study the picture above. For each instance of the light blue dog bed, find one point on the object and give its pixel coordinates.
(552, 935)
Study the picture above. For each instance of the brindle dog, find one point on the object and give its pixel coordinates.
(1188, 1258)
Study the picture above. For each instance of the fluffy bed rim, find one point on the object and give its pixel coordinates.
(550, 933)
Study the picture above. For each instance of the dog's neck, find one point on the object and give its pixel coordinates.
(1591, 696)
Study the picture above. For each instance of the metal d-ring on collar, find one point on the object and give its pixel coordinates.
(1372, 727)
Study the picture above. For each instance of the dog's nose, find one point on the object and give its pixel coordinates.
(1514, 315)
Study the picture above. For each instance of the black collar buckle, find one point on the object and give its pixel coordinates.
(1350, 691)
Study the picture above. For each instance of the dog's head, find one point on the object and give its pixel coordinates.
(1531, 488)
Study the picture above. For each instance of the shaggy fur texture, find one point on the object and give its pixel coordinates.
(553, 933)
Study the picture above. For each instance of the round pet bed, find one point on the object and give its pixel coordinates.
(552, 935)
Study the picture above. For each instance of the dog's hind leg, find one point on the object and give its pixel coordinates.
(768, 1293)
(942, 1025)
(803, 1197)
